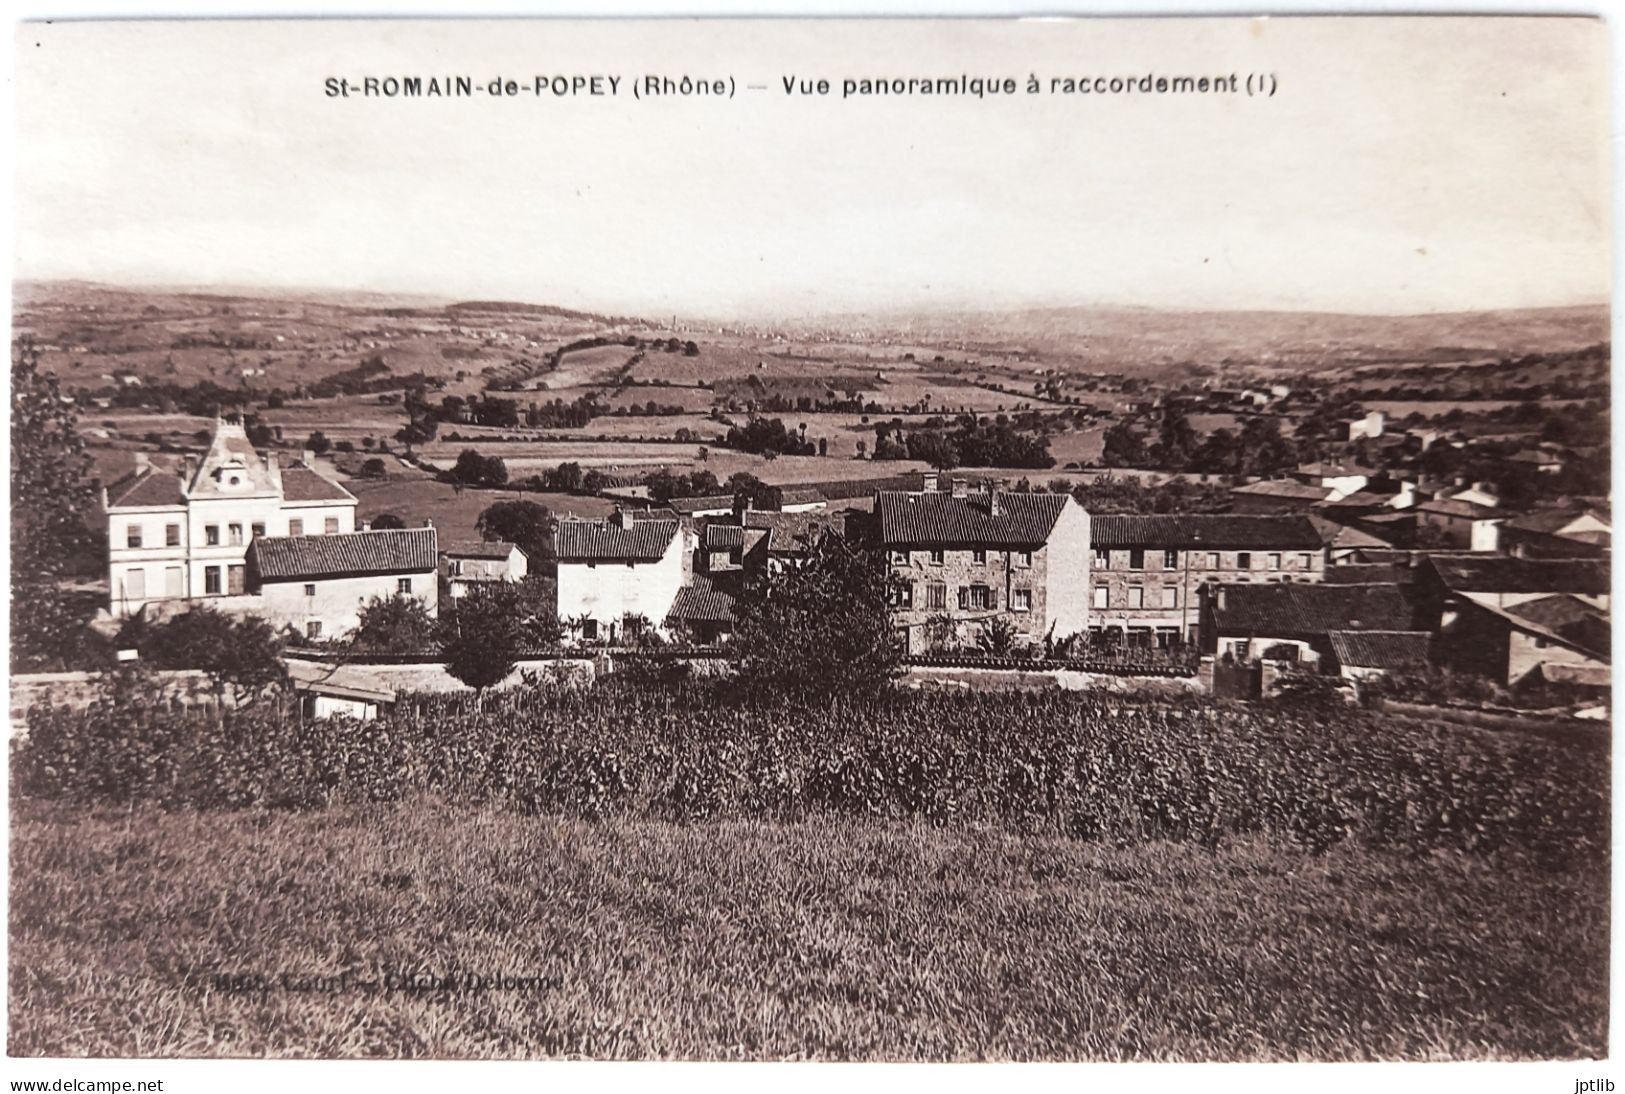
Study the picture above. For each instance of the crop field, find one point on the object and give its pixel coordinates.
(453, 512)
(666, 877)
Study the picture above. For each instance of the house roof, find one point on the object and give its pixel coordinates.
(1561, 619)
(1454, 507)
(800, 496)
(1324, 469)
(1214, 530)
(702, 602)
(1552, 521)
(606, 541)
(1333, 534)
(387, 551)
(724, 537)
(705, 503)
(908, 517)
(1284, 488)
(789, 532)
(1381, 649)
(1295, 608)
(143, 488)
(1500, 574)
(479, 548)
(301, 483)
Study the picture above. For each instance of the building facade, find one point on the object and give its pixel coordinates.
(318, 585)
(183, 535)
(619, 575)
(962, 560)
(472, 563)
(1147, 570)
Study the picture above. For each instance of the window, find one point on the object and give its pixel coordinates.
(1244, 560)
(902, 596)
(936, 597)
(135, 584)
(1275, 561)
(1136, 596)
(1170, 560)
(1101, 593)
(1136, 559)
(1103, 558)
(589, 629)
(979, 557)
(257, 529)
(211, 581)
(1022, 558)
(403, 586)
(975, 597)
(1306, 561)
(172, 535)
(310, 590)
(1170, 597)
(234, 580)
(1243, 648)
(211, 535)
(1167, 638)
(1021, 600)
(132, 536)
(313, 629)
(174, 582)
(1213, 560)
(296, 527)
(899, 558)
(331, 525)
(454, 567)
(235, 533)
(1139, 637)
(736, 556)
(937, 556)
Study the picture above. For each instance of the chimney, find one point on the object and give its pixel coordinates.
(428, 522)
(928, 482)
(366, 526)
(960, 488)
(622, 519)
(142, 463)
(1220, 598)
(188, 467)
(992, 503)
(308, 458)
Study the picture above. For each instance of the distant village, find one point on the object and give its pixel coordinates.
(1338, 569)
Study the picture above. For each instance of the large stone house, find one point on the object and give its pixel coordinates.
(620, 575)
(963, 559)
(1147, 569)
(318, 585)
(183, 535)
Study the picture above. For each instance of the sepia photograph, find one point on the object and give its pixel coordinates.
(888, 540)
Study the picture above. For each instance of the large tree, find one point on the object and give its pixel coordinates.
(50, 497)
(525, 523)
(480, 634)
(823, 626)
(242, 653)
(397, 624)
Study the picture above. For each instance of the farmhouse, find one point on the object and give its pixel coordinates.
(620, 575)
(470, 563)
(963, 560)
(1147, 569)
(1294, 623)
(183, 535)
(319, 584)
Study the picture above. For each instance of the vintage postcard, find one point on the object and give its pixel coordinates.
(887, 540)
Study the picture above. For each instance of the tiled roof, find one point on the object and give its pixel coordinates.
(478, 548)
(702, 602)
(1451, 507)
(1557, 611)
(1561, 619)
(800, 496)
(789, 532)
(707, 503)
(1381, 649)
(1499, 574)
(723, 537)
(149, 487)
(936, 517)
(300, 483)
(1295, 608)
(1215, 530)
(390, 551)
(1333, 534)
(604, 540)
(1551, 521)
(1284, 488)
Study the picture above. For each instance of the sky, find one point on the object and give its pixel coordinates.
(1403, 165)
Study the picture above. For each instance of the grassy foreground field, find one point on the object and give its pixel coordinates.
(830, 938)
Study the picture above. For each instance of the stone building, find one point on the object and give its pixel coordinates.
(964, 559)
(1147, 569)
(318, 585)
(619, 575)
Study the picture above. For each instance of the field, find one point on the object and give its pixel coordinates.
(825, 939)
(454, 512)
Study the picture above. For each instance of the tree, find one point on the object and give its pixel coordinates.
(998, 637)
(373, 468)
(242, 653)
(1122, 447)
(387, 520)
(479, 635)
(473, 469)
(318, 442)
(49, 499)
(522, 522)
(397, 624)
(821, 626)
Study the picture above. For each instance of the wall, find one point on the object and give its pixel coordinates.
(153, 558)
(1526, 653)
(1191, 569)
(1067, 573)
(338, 601)
(314, 514)
(1002, 571)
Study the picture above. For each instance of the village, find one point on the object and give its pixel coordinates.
(1338, 569)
